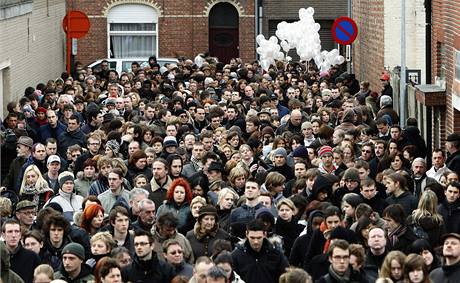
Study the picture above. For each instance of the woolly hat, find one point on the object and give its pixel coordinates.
(268, 131)
(280, 151)
(300, 151)
(351, 174)
(75, 249)
(207, 210)
(169, 141)
(344, 234)
(385, 100)
(64, 177)
(40, 110)
(113, 145)
(216, 166)
(325, 149)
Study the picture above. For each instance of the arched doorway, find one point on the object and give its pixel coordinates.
(223, 32)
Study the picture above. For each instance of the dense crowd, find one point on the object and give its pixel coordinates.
(223, 173)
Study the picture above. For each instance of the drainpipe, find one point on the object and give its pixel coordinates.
(402, 82)
(430, 111)
(258, 14)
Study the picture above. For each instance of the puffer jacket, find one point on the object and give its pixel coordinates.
(70, 203)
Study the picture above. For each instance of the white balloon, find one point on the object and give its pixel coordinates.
(199, 61)
(310, 11)
(259, 38)
(273, 39)
(340, 60)
(265, 64)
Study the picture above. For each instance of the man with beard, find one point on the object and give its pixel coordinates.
(160, 182)
(421, 180)
(450, 271)
(53, 129)
(72, 136)
(24, 150)
(280, 164)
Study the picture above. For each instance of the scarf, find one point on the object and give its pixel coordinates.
(394, 236)
(323, 228)
(339, 278)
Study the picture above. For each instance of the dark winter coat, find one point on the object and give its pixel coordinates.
(450, 213)
(46, 132)
(289, 231)
(150, 271)
(6, 273)
(453, 162)
(23, 262)
(67, 139)
(202, 244)
(264, 266)
(406, 200)
(240, 217)
(434, 229)
(85, 275)
(446, 274)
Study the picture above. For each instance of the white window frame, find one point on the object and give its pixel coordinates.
(457, 65)
(151, 19)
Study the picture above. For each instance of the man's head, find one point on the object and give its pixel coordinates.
(25, 212)
(339, 256)
(453, 143)
(379, 149)
(296, 117)
(147, 211)
(143, 244)
(160, 169)
(73, 124)
(377, 240)
(438, 158)
(166, 225)
(73, 256)
(255, 234)
(11, 233)
(451, 248)
(39, 151)
(216, 275)
(251, 190)
(119, 219)
(115, 179)
(452, 192)
(201, 268)
(418, 167)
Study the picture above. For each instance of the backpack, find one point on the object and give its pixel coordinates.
(418, 231)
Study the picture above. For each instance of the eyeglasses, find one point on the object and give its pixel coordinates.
(142, 244)
(366, 151)
(177, 252)
(76, 155)
(94, 143)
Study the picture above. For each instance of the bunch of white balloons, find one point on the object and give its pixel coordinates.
(303, 35)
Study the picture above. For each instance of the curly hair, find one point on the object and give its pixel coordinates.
(183, 183)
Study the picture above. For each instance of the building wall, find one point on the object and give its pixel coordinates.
(183, 27)
(415, 35)
(446, 31)
(32, 48)
(368, 48)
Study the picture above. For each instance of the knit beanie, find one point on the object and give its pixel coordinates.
(75, 249)
(324, 150)
(351, 174)
(280, 151)
(64, 177)
(300, 151)
(113, 145)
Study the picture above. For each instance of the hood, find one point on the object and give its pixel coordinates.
(5, 257)
(412, 131)
(321, 183)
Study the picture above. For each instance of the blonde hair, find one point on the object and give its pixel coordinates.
(289, 203)
(385, 270)
(198, 199)
(224, 192)
(427, 207)
(274, 179)
(46, 269)
(41, 184)
(105, 237)
(6, 207)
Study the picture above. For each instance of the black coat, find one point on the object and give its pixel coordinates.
(23, 262)
(289, 231)
(446, 274)
(67, 139)
(453, 162)
(450, 213)
(266, 266)
(150, 271)
(406, 200)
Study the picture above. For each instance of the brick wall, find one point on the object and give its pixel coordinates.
(183, 28)
(368, 49)
(445, 29)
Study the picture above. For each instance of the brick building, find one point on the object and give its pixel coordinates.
(31, 45)
(166, 28)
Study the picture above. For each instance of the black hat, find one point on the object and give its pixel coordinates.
(453, 137)
(75, 249)
(108, 117)
(216, 166)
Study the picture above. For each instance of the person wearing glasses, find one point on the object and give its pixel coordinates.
(340, 269)
(146, 266)
(173, 253)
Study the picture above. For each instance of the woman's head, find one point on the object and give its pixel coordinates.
(92, 217)
(196, 204)
(286, 209)
(395, 182)
(392, 266)
(226, 198)
(32, 240)
(332, 217)
(349, 203)
(415, 270)
(423, 247)
(43, 273)
(33, 177)
(179, 191)
(102, 243)
(237, 177)
(138, 159)
(274, 182)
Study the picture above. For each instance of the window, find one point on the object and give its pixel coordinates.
(132, 31)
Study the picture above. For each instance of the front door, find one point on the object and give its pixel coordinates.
(224, 32)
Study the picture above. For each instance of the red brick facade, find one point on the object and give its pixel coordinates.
(446, 32)
(368, 49)
(183, 27)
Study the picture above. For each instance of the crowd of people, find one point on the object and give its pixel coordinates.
(223, 173)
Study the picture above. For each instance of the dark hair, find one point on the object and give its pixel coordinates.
(9, 221)
(57, 220)
(141, 232)
(75, 117)
(167, 219)
(107, 266)
(114, 212)
(332, 211)
(255, 225)
(395, 212)
(338, 243)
